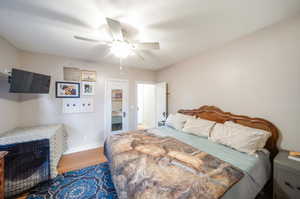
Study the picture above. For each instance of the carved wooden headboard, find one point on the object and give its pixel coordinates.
(215, 114)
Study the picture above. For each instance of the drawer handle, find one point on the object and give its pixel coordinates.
(289, 185)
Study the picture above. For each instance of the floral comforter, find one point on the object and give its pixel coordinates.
(146, 166)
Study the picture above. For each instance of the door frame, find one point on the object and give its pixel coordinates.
(166, 103)
(107, 102)
(136, 99)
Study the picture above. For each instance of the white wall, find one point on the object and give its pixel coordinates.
(9, 117)
(140, 103)
(146, 102)
(85, 129)
(149, 105)
(258, 75)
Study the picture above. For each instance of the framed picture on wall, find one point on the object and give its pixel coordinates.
(88, 76)
(67, 90)
(88, 88)
(72, 74)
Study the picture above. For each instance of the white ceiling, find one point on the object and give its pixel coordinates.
(184, 28)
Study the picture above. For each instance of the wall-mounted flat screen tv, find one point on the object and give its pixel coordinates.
(27, 82)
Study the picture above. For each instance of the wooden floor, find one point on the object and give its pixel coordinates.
(79, 160)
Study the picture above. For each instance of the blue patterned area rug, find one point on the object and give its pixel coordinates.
(89, 183)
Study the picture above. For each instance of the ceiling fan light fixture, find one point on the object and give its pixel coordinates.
(119, 44)
(120, 49)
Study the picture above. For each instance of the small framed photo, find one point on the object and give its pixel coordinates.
(88, 76)
(67, 90)
(88, 88)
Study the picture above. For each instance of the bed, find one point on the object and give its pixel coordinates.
(249, 173)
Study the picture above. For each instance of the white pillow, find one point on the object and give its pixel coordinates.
(198, 126)
(241, 138)
(184, 117)
(175, 121)
(263, 134)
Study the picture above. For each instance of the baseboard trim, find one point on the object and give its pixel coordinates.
(83, 148)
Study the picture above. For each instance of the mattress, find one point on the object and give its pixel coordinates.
(257, 168)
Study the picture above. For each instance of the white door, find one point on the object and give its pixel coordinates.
(161, 102)
(116, 105)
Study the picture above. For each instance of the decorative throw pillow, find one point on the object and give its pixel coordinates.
(241, 138)
(198, 126)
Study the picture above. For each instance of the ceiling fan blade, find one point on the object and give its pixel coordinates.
(146, 45)
(91, 40)
(86, 39)
(137, 53)
(115, 29)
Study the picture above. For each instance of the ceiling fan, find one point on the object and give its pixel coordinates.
(120, 46)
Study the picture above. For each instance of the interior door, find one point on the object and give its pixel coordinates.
(161, 102)
(116, 106)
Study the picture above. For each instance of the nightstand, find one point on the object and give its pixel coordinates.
(161, 123)
(286, 183)
(2, 155)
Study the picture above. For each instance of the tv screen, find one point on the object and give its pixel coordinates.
(28, 82)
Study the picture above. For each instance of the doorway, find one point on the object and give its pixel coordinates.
(116, 105)
(151, 104)
(146, 105)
